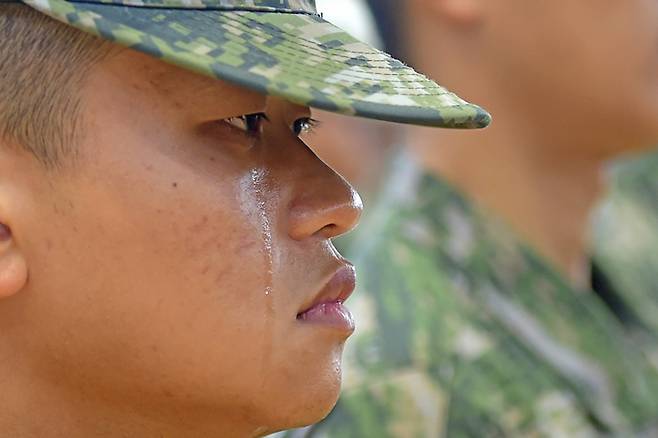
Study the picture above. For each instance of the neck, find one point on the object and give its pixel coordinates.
(543, 191)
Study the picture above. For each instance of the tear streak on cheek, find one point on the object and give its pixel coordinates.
(255, 205)
(258, 177)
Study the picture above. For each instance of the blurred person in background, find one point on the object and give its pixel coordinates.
(625, 237)
(477, 308)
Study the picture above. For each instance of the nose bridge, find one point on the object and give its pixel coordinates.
(322, 202)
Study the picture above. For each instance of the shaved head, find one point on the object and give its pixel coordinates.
(44, 64)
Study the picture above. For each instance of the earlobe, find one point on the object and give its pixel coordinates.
(13, 266)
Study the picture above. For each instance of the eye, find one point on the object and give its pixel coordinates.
(251, 124)
(305, 125)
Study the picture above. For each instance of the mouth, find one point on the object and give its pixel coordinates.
(328, 308)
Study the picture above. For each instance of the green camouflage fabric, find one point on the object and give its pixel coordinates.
(281, 48)
(625, 236)
(463, 331)
(297, 6)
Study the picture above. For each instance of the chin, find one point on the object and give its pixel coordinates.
(307, 400)
(303, 414)
(308, 413)
(320, 405)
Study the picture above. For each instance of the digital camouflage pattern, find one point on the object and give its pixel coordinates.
(463, 331)
(625, 236)
(282, 48)
(303, 6)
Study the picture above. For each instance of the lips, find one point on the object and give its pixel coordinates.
(328, 309)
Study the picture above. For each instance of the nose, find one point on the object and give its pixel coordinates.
(324, 205)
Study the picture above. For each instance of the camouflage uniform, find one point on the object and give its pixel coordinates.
(463, 331)
(626, 245)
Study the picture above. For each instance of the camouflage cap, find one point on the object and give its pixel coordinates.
(277, 47)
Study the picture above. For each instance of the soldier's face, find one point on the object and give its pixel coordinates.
(171, 266)
(593, 61)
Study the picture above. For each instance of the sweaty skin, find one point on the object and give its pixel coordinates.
(166, 266)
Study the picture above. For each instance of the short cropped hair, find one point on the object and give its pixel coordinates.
(43, 64)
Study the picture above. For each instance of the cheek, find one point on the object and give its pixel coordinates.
(620, 45)
(199, 266)
(167, 284)
(626, 86)
(213, 249)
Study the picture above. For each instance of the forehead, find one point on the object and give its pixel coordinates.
(133, 70)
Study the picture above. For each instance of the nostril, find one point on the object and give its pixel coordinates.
(329, 231)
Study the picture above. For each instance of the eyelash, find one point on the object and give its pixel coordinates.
(306, 125)
(252, 124)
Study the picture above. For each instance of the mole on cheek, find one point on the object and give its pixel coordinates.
(174, 184)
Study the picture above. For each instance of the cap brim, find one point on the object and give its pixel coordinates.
(296, 56)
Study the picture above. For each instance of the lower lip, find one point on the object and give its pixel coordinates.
(334, 315)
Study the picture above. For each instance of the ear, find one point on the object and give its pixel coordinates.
(459, 12)
(13, 266)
